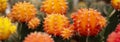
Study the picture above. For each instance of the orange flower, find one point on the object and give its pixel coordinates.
(54, 6)
(55, 23)
(23, 11)
(33, 23)
(38, 37)
(116, 4)
(88, 21)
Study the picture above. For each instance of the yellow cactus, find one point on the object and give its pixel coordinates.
(3, 5)
(6, 28)
(116, 4)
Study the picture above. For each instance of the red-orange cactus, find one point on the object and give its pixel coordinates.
(33, 23)
(88, 22)
(114, 37)
(55, 23)
(117, 28)
(116, 4)
(54, 6)
(38, 37)
(23, 11)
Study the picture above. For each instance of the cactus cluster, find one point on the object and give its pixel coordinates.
(88, 22)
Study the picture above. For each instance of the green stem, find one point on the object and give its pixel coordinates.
(88, 35)
(112, 13)
(87, 39)
(102, 35)
(103, 31)
(19, 31)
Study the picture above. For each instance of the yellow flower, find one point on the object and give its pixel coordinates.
(6, 28)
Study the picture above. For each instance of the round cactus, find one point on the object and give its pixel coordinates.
(23, 12)
(67, 32)
(54, 6)
(33, 23)
(6, 28)
(55, 23)
(117, 28)
(3, 5)
(116, 4)
(88, 22)
(114, 37)
(38, 37)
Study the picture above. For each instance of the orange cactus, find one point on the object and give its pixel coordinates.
(54, 6)
(55, 23)
(88, 21)
(67, 32)
(11, 17)
(33, 23)
(116, 4)
(23, 11)
(38, 37)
